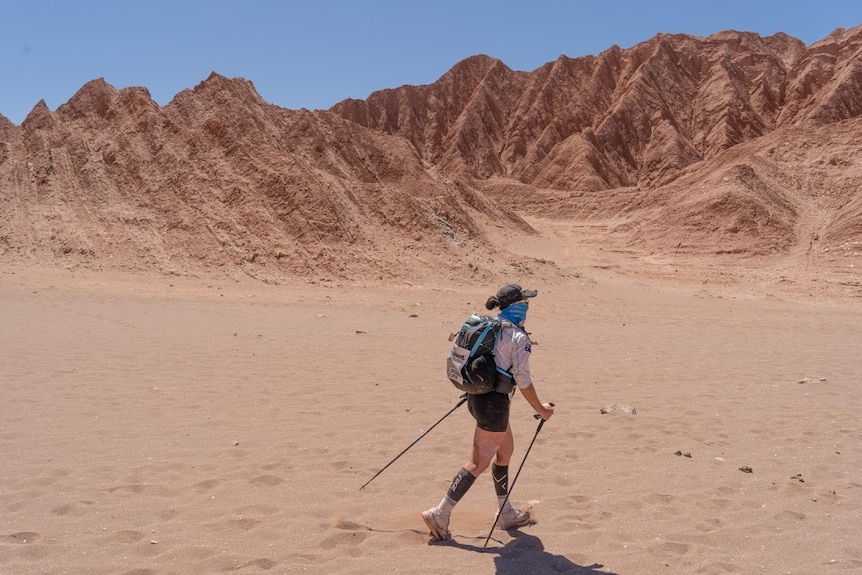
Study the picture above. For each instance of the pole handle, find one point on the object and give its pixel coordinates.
(537, 416)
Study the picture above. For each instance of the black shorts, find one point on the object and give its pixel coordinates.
(490, 410)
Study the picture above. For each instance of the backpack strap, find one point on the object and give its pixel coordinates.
(500, 371)
(481, 338)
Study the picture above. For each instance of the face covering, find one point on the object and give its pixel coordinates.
(515, 313)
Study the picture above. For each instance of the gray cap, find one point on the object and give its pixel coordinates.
(511, 293)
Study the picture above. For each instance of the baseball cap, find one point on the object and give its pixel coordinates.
(511, 293)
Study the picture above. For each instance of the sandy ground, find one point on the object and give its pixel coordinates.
(168, 425)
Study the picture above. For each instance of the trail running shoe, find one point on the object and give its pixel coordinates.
(438, 523)
(511, 518)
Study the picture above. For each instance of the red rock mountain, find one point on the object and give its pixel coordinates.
(729, 144)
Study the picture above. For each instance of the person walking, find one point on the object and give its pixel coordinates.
(493, 441)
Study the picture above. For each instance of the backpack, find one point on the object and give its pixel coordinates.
(471, 366)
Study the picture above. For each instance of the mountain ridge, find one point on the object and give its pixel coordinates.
(417, 178)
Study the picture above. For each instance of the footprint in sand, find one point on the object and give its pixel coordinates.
(21, 537)
(244, 524)
(137, 488)
(674, 547)
(660, 498)
(75, 508)
(790, 515)
(127, 536)
(132, 488)
(345, 539)
(709, 525)
(51, 478)
(206, 485)
(257, 509)
(264, 563)
(351, 526)
(271, 480)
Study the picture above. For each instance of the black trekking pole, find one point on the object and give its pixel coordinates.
(512, 486)
(415, 441)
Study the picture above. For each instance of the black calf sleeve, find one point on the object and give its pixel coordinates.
(461, 483)
(500, 473)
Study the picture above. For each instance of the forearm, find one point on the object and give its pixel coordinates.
(532, 398)
(544, 410)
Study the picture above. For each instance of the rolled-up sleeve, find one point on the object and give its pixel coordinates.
(513, 354)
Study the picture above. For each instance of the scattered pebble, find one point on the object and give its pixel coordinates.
(609, 407)
(812, 380)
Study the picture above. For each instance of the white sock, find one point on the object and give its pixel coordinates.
(446, 505)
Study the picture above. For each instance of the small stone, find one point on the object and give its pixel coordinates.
(609, 407)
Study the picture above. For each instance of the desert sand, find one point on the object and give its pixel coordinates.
(156, 424)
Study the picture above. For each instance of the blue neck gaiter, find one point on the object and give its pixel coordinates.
(515, 313)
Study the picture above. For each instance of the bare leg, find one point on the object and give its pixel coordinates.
(486, 445)
(506, 449)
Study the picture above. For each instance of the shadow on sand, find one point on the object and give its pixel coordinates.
(526, 555)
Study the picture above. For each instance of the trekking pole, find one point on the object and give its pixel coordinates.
(415, 441)
(512, 486)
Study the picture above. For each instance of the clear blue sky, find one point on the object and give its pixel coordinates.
(314, 53)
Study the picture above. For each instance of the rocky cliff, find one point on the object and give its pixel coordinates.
(729, 144)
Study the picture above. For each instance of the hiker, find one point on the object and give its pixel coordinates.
(493, 442)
